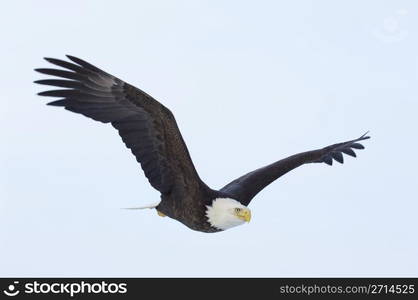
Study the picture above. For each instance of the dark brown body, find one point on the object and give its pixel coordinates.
(189, 209)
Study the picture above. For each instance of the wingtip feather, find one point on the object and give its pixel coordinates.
(61, 102)
(73, 58)
(364, 136)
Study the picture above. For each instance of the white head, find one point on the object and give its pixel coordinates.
(226, 213)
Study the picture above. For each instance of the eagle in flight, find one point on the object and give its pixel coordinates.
(150, 131)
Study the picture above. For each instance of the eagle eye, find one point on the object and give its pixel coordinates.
(237, 209)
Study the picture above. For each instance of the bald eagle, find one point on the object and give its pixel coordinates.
(150, 131)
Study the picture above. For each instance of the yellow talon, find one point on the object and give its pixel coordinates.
(161, 214)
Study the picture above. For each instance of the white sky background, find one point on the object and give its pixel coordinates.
(249, 84)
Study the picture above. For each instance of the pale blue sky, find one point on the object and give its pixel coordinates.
(249, 82)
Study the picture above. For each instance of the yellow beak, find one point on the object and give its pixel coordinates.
(245, 215)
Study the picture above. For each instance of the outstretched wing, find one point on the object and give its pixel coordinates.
(147, 128)
(246, 187)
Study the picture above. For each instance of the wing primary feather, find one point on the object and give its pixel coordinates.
(84, 64)
(60, 83)
(349, 151)
(327, 159)
(61, 102)
(65, 64)
(338, 157)
(60, 73)
(357, 146)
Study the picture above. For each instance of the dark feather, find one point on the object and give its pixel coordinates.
(338, 157)
(357, 146)
(62, 102)
(61, 73)
(327, 159)
(65, 64)
(349, 151)
(85, 64)
(60, 83)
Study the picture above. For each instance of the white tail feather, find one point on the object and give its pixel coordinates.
(150, 206)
